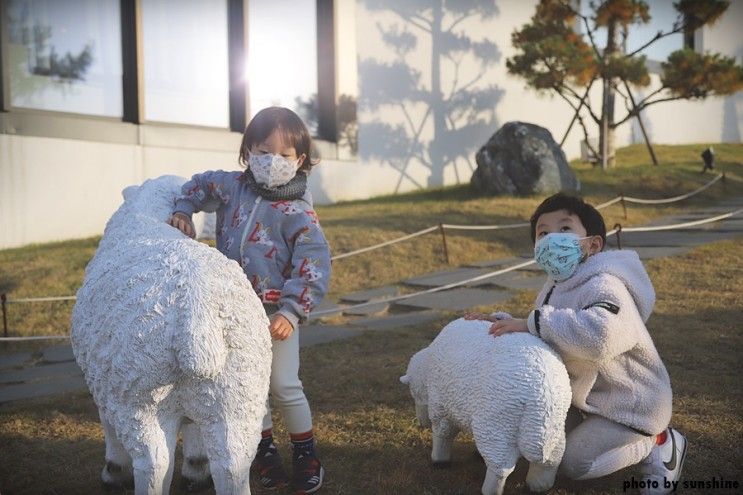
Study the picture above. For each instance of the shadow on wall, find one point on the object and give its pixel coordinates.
(445, 121)
(731, 121)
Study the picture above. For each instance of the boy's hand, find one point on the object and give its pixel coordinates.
(501, 327)
(478, 316)
(279, 327)
(182, 222)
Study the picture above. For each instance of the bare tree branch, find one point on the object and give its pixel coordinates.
(422, 27)
(642, 106)
(678, 26)
(457, 21)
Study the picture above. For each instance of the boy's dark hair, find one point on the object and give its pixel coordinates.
(588, 215)
(293, 130)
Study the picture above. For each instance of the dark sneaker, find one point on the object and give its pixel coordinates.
(308, 472)
(267, 464)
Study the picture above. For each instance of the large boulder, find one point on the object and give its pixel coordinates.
(522, 158)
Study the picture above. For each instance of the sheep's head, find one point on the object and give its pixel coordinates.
(155, 198)
(416, 377)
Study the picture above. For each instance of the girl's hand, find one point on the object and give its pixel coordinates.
(501, 327)
(280, 327)
(478, 316)
(182, 222)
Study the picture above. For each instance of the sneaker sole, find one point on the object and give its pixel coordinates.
(322, 478)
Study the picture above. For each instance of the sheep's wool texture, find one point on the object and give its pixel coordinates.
(169, 334)
(512, 392)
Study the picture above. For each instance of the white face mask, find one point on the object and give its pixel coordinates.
(272, 170)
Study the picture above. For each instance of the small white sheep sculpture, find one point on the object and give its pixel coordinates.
(512, 392)
(170, 336)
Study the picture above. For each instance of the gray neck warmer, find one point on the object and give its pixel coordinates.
(294, 189)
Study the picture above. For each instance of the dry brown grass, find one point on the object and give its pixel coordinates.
(364, 418)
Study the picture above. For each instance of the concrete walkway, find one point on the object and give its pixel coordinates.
(54, 371)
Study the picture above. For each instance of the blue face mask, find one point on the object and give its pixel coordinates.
(559, 254)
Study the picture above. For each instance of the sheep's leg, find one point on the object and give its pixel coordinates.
(153, 467)
(443, 436)
(117, 473)
(495, 479)
(229, 457)
(195, 469)
(500, 454)
(541, 477)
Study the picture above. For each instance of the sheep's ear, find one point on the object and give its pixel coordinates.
(405, 379)
(127, 192)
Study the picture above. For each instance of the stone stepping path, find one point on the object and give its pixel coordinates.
(53, 371)
(446, 277)
(397, 321)
(13, 360)
(367, 295)
(310, 335)
(36, 373)
(517, 280)
(364, 296)
(368, 311)
(455, 299)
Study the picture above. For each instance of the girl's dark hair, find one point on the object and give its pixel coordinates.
(589, 216)
(293, 130)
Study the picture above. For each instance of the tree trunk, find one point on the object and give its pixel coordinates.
(607, 142)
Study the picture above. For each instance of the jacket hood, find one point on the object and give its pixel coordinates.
(627, 267)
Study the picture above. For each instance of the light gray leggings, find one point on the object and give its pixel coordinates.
(596, 446)
(286, 387)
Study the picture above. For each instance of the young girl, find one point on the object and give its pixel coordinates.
(265, 222)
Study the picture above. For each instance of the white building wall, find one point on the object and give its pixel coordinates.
(55, 189)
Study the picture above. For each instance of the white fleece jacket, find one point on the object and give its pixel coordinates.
(596, 321)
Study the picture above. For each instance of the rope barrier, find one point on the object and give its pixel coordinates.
(675, 198)
(621, 198)
(608, 203)
(386, 243)
(680, 225)
(484, 227)
(428, 291)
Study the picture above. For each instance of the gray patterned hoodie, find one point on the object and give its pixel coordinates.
(596, 321)
(279, 244)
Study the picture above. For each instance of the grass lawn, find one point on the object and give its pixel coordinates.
(57, 269)
(364, 418)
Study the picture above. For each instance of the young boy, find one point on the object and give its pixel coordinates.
(593, 310)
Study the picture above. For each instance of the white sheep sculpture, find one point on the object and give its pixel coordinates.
(511, 392)
(170, 336)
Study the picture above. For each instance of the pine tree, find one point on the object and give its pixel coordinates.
(553, 57)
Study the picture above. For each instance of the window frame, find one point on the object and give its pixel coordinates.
(125, 129)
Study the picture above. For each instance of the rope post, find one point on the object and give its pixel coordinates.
(618, 226)
(443, 242)
(4, 298)
(723, 182)
(624, 205)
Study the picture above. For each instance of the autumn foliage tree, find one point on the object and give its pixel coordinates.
(552, 56)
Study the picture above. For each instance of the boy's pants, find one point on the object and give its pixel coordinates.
(597, 446)
(286, 388)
